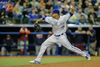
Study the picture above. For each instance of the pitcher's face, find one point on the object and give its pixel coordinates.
(54, 15)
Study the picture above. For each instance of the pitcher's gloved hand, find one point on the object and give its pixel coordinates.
(37, 27)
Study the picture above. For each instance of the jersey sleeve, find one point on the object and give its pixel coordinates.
(47, 19)
(67, 16)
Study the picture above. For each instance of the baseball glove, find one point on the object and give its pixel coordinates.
(37, 27)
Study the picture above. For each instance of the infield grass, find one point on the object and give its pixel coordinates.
(12, 61)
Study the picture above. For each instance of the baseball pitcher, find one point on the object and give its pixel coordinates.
(59, 36)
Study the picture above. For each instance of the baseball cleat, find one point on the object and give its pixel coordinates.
(88, 57)
(35, 62)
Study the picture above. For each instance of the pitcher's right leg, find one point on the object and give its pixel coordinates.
(64, 41)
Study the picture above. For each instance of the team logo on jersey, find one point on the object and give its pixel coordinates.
(61, 23)
(55, 24)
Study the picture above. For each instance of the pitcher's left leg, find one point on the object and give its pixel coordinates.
(64, 41)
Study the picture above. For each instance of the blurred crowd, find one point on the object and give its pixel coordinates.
(28, 11)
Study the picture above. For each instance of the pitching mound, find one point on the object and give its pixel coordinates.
(92, 63)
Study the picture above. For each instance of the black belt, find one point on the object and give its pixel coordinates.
(59, 35)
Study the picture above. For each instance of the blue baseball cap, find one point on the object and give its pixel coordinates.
(55, 11)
